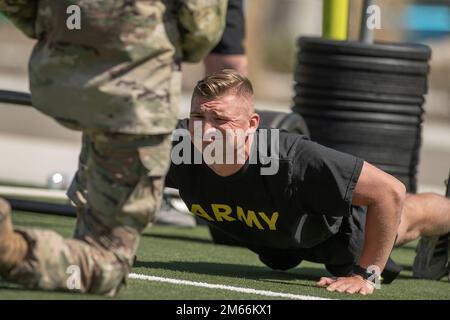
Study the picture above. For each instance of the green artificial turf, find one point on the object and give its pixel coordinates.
(188, 254)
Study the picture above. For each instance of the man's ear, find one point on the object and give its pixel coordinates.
(254, 122)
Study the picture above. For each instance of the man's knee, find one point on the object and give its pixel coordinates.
(280, 262)
(412, 219)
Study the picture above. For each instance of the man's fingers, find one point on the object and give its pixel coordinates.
(346, 285)
(343, 287)
(365, 290)
(324, 281)
(334, 285)
(350, 287)
(338, 286)
(353, 289)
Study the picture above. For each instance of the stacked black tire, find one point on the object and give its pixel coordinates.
(291, 122)
(365, 99)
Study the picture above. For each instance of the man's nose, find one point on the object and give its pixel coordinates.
(207, 126)
(210, 132)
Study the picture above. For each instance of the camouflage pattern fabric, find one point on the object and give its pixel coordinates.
(117, 191)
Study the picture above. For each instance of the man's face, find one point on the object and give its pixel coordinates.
(229, 118)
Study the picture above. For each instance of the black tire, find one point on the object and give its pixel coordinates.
(407, 81)
(368, 85)
(385, 155)
(291, 122)
(361, 81)
(416, 151)
(372, 64)
(399, 170)
(333, 115)
(364, 129)
(404, 129)
(312, 92)
(387, 50)
(362, 106)
(378, 134)
(376, 140)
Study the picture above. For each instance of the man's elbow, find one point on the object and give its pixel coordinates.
(397, 194)
(398, 191)
(391, 194)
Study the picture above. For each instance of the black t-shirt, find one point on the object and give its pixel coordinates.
(299, 207)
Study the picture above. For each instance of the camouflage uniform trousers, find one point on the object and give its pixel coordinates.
(117, 190)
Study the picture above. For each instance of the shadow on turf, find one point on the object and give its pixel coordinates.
(9, 286)
(4, 285)
(406, 267)
(183, 238)
(236, 270)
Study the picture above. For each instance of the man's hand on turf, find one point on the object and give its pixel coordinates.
(352, 285)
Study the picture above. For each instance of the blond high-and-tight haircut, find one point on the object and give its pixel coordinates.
(224, 82)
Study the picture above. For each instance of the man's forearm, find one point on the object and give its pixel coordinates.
(382, 221)
(384, 196)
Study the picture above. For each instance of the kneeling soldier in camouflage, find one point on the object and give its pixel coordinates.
(116, 78)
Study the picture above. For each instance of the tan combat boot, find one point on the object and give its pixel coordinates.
(13, 247)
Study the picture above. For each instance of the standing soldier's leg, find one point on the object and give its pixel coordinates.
(230, 52)
(124, 175)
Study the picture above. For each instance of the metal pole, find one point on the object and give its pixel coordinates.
(42, 207)
(365, 33)
(14, 97)
(335, 19)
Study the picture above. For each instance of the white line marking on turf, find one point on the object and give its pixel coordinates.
(138, 276)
